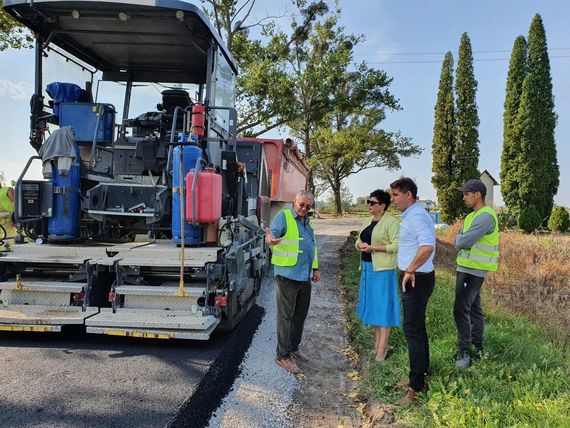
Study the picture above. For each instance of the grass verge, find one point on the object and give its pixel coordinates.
(522, 380)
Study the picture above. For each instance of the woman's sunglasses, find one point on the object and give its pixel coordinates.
(369, 202)
(305, 206)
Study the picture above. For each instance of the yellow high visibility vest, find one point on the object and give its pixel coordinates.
(484, 255)
(6, 204)
(287, 251)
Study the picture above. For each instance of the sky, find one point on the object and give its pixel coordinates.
(408, 40)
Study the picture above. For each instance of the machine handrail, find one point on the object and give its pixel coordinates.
(17, 186)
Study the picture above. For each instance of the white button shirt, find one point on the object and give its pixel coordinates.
(417, 229)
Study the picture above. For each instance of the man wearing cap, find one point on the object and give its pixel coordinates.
(478, 245)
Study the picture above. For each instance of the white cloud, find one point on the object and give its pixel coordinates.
(16, 90)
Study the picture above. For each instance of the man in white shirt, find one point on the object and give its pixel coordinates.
(416, 251)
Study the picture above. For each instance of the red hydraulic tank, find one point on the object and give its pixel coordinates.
(208, 197)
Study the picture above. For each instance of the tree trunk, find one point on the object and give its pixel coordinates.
(337, 198)
(307, 142)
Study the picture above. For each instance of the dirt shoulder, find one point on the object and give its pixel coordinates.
(325, 394)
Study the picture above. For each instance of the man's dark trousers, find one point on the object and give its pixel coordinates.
(414, 302)
(468, 312)
(293, 300)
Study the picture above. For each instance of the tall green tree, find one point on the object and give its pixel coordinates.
(466, 155)
(538, 166)
(318, 63)
(510, 177)
(443, 145)
(12, 34)
(265, 87)
(351, 138)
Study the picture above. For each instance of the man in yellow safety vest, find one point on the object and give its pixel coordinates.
(478, 245)
(295, 264)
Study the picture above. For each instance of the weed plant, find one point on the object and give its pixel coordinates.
(522, 380)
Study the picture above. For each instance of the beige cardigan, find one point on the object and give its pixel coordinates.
(386, 232)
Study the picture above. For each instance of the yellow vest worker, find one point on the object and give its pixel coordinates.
(478, 245)
(295, 265)
(6, 200)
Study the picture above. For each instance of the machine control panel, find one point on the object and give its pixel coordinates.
(34, 199)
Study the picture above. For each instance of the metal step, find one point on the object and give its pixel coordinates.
(144, 290)
(24, 316)
(155, 333)
(44, 293)
(40, 286)
(151, 319)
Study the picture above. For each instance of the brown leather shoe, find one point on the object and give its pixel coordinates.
(405, 383)
(298, 355)
(288, 364)
(408, 398)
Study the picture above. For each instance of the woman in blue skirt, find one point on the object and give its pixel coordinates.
(378, 303)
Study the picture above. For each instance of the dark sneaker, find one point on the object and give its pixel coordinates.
(463, 360)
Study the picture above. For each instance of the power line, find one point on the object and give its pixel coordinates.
(441, 53)
(439, 61)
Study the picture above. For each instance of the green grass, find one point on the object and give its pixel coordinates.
(522, 380)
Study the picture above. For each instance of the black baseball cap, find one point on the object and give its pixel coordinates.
(474, 185)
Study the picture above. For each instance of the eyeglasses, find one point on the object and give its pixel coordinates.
(305, 206)
(369, 202)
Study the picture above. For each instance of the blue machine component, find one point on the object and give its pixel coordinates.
(63, 225)
(85, 118)
(62, 92)
(192, 234)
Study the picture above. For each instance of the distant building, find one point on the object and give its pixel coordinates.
(490, 183)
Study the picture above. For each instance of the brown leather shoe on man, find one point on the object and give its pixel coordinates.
(407, 399)
(405, 383)
(298, 355)
(288, 364)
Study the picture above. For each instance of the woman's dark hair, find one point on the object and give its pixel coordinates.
(382, 196)
(404, 185)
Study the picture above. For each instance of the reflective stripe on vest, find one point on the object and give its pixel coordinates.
(484, 255)
(287, 251)
(6, 204)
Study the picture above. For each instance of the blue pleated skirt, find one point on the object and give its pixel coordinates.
(378, 303)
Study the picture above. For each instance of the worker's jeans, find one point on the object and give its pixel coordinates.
(293, 299)
(468, 312)
(414, 303)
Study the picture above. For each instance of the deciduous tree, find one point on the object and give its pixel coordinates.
(12, 34)
(351, 138)
(265, 92)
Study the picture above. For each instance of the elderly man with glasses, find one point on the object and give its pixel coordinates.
(295, 265)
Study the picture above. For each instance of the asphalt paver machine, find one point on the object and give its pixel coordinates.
(141, 226)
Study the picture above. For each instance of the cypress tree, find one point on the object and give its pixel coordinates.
(466, 156)
(443, 144)
(511, 142)
(538, 170)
